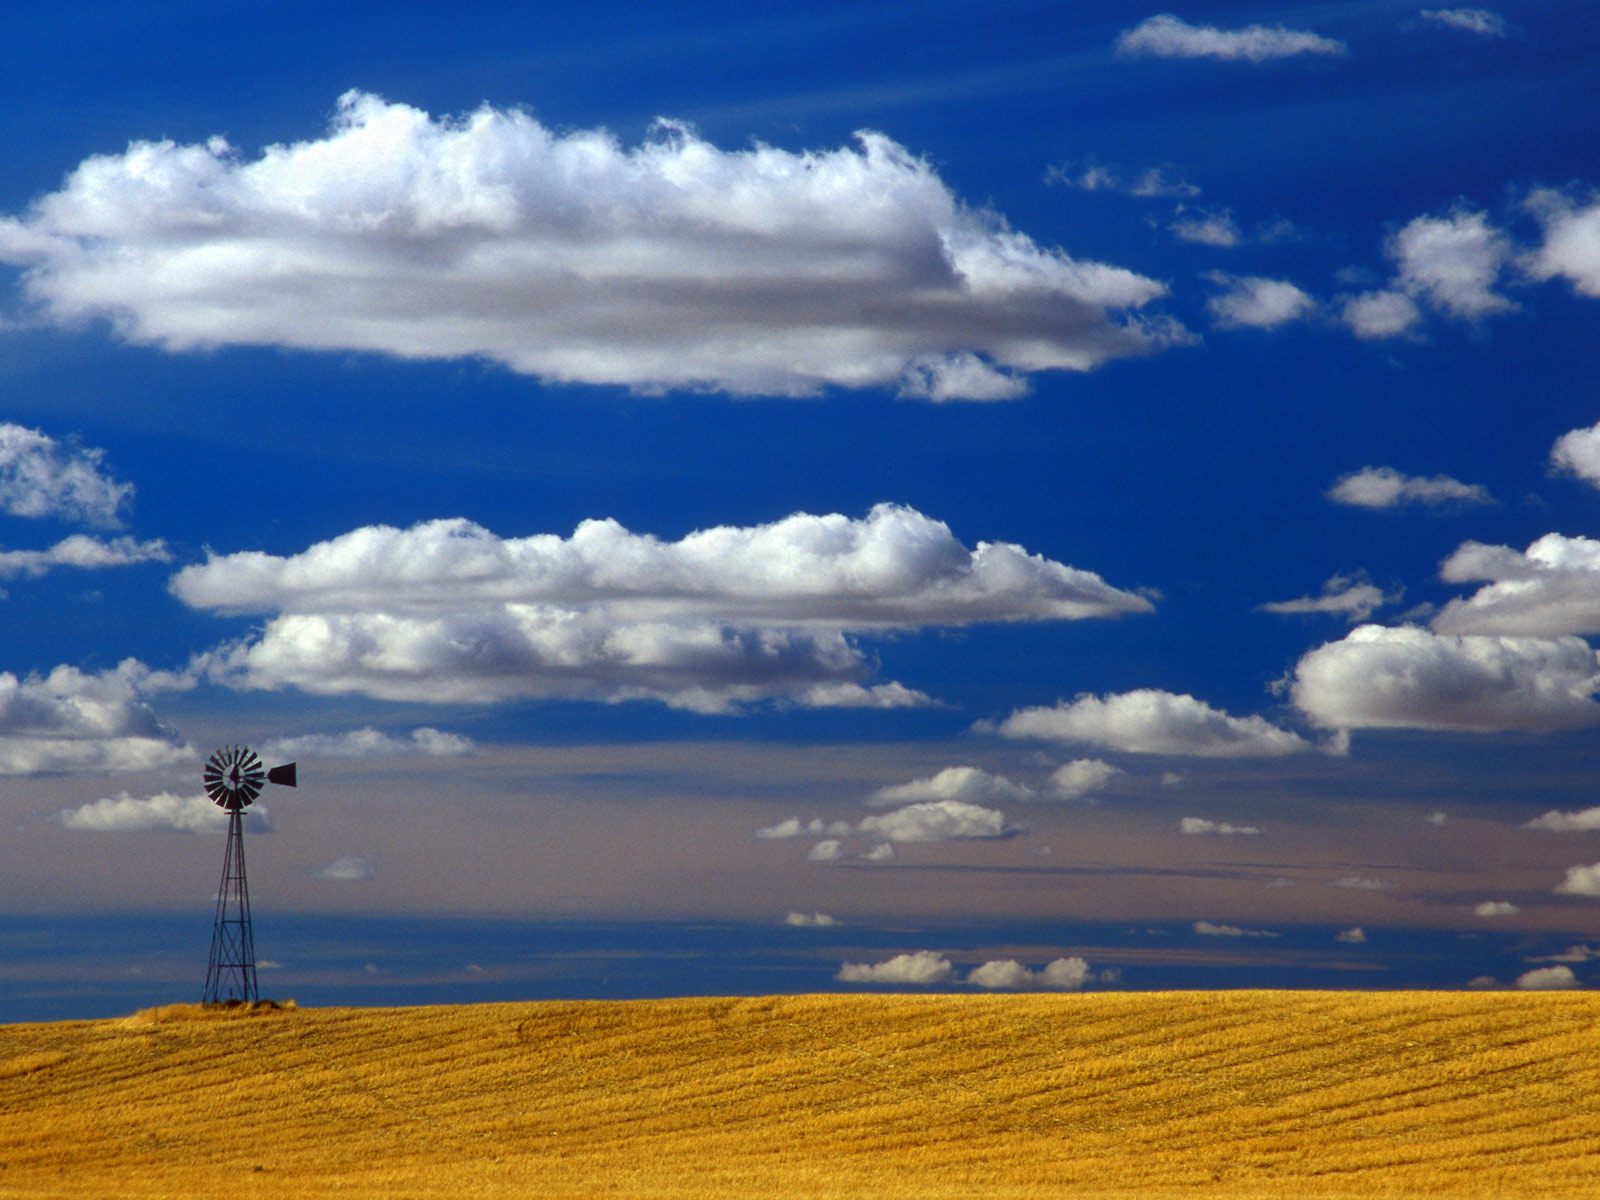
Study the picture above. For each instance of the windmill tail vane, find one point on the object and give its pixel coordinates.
(234, 777)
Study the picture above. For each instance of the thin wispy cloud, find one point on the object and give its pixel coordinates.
(1385, 487)
(1168, 36)
(1481, 21)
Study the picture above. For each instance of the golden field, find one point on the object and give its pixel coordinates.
(1220, 1094)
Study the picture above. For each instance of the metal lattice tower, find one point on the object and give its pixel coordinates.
(231, 974)
(233, 778)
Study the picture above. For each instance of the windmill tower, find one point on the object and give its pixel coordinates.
(233, 778)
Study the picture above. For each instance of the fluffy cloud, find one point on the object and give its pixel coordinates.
(1542, 979)
(1380, 314)
(1203, 825)
(72, 721)
(1469, 20)
(84, 552)
(725, 616)
(1150, 183)
(1148, 721)
(123, 813)
(370, 743)
(1081, 777)
(1581, 881)
(1167, 36)
(1354, 936)
(826, 851)
(938, 821)
(921, 966)
(1208, 229)
(1551, 589)
(793, 827)
(965, 784)
(351, 868)
(1571, 246)
(1254, 302)
(816, 920)
(1495, 908)
(1450, 263)
(1212, 929)
(1409, 678)
(1578, 452)
(1584, 821)
(1353, 598)
(1058, 975)
(41, 477)
(1384, 487)
(672, 264)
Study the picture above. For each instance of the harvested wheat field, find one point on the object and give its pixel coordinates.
(1233, 1094)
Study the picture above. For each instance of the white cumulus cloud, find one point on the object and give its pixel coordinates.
(574, 258)
(1217, 229)
(1581, 881)
(370, 743)
(1571, 245)
(1550, 589)
(1585, 820)
(1255, 302)
(1450, 264)
(1081, 777)
(938, 821)
(1007, 974)
(966, 784)
(447, 611)
(71, 721)
(920, 967)
(1409, 678)
(1384, 487)
(41, 477)
(1542, 979)
(1168, 36)
(1354, 936)
(830, 850)
(124, 813)
(1495, 908)
(1148, 721)
(1577, 452)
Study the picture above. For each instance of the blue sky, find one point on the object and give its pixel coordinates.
(1007, 478)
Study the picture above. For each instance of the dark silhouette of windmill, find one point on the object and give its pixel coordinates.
(234, 777)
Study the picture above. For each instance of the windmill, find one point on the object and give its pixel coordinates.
(233, 778)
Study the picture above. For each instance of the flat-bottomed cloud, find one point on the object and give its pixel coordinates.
(567, 256)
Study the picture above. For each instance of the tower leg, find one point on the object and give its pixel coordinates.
(231, 973)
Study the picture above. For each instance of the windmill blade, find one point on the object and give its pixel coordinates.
(283, 776)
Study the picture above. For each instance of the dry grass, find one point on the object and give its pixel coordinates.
(1221, 1094)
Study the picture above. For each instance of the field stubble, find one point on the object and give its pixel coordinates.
(1237, 1094)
